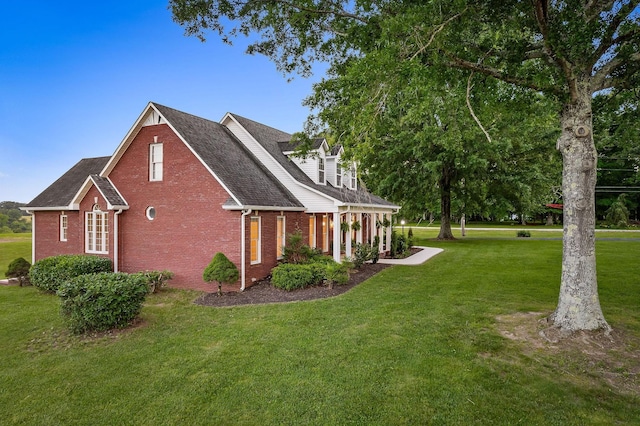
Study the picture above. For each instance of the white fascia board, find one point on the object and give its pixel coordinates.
(131, 134)
(265, 208)
(266, 153)
(109, 205)
(84, 188)
(39, 209)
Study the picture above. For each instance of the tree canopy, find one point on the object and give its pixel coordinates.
(566, 50)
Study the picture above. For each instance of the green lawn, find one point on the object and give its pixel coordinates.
(13, 246)
(413, 345)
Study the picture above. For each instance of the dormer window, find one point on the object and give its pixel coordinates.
(338, 175)
(353, 181)
(321, 176)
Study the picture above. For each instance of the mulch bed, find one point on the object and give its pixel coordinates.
(263, 292)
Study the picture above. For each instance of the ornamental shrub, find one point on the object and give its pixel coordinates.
(291, 276)
(375, 250)
(337, 273)
(19, 269)
(361, 254)
(523, 234)
(156, 279)
(49, 273)
(102, 301)
(221, 270)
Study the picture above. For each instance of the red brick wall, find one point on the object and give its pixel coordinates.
(47, 236)
(190, 225)
(295, 221)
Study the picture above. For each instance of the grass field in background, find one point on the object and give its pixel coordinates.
(412, 345)
(13, 246)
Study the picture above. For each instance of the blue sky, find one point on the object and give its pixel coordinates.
(75, 75)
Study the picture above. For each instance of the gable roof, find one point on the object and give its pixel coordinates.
(271, 139)
(60, 194)
(109, 192)
(245, 177)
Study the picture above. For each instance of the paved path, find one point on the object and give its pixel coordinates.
(417, 259)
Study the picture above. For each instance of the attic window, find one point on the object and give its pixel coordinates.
(155, 162)
(338, 175)
(321, 178)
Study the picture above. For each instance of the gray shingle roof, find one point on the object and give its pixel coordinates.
(240, 171)
(61, 192)
(106, 188)
(271, 139)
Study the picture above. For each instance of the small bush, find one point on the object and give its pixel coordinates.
(375, 250)
(221, 270)
(290, 276)
(19, 269)
(156, 279)
(337, 273)
(296, 251)
(49, 273)
(523, 234)
(362, 254)
(102, 301)
(410, 239)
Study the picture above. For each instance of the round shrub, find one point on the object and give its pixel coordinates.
(19, 269)
(102, 301)
(47, 274)
(291, 276)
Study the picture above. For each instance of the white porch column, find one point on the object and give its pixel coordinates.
(347, 243)
(359, 231)
(380, 232)
(336, 237)
(389, 229)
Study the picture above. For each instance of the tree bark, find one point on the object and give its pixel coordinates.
(578, 305)
(445, 206)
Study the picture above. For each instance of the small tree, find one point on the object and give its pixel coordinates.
(618, 214)
(19, 269)
(221, 270)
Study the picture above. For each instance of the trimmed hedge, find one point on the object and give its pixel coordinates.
(291, 276)
(49, 273)
(102, 301)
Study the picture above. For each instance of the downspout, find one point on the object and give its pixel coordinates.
(243, 244)
(115, 240)
(33, 235)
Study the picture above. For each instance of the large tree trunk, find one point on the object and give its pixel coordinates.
(445, 206)
(578, 305)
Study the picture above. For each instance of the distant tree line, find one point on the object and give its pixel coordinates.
(12, 219)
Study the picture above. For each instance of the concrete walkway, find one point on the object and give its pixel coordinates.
(416, 259)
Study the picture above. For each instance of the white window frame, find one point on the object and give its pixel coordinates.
(281, 239)
(312, 231)
(258, 240)
(64, 226)
(353, 178)
(96, 231)
(321, 171)
(338, 174)
(156, 159)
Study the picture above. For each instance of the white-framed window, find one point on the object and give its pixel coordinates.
(255, 240)
(280, 236)
(97, 231)
(353, 178)
(155, 162)
(312, 231)
(338, 174)
(321, 178)
(64, 224)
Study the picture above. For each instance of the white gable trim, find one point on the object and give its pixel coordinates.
(151, 111)
(229, 116)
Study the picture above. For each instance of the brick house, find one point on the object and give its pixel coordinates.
(180, 188)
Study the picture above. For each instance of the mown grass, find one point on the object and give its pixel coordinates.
(413, 345)
(13, 246)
